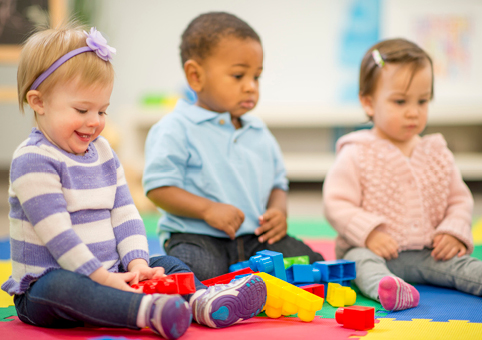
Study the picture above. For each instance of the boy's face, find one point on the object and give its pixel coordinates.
(73, 115)
(231, 77)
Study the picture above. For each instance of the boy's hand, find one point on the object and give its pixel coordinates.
(273, 226)
(446, 246)
(382, 244)
(144, 272)
(114, 280)
(224, 217)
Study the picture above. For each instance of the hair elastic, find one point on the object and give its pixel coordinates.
(95, 43)
(378, 58)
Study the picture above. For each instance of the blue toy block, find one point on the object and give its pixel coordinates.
(238, 266)
(303, 273)
(270, 262)
(332, 271)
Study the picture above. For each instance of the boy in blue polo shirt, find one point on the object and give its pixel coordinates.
(218, 174)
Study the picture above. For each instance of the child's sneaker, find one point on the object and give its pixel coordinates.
(223, 305)
(168, 315)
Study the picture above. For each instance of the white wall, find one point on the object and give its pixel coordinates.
(297, 37)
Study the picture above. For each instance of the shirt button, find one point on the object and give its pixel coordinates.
(221, 121)
(235, 140)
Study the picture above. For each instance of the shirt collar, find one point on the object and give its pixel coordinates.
(197, 115)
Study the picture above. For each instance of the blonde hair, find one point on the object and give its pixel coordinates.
(47, 45)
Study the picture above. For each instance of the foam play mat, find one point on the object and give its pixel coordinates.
(441, 314)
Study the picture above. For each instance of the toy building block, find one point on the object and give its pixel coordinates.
(303, 273)
(334, 271)
(270, 262)
(339, 296)
(226, 278)
(315, 288)
(286, 299)
(289, 261)
(356, 317)
(181, 283)
(238, 266)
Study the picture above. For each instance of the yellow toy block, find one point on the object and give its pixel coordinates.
(340, 296)
(286, 299)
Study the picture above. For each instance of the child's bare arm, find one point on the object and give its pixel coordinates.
(180, 202)
(273, 226)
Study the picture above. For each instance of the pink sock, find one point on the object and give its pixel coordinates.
(396, 294)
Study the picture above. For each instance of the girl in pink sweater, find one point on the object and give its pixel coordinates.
(396, 199)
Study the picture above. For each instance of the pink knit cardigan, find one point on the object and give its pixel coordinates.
(372, 184)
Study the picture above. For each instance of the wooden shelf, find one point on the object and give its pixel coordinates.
(301, 116)
(313, 167)
(303, 165)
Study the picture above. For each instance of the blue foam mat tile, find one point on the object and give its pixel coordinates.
(155, 247)
(442, 304)
(5, 249)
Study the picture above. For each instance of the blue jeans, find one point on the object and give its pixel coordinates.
(64, 299)
(209, 256)
(416, 266)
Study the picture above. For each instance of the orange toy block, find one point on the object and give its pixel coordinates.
(286, 299)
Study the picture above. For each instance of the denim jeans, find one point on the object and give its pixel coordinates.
(64, 299)
(209, 256)
(416, 266)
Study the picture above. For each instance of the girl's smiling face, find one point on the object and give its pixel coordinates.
(72, 115)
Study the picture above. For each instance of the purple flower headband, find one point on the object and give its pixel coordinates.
(95, 43)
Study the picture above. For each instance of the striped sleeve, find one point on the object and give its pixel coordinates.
(128, 226)
(35, 182)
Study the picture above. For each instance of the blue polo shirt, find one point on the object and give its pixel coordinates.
(201, 152)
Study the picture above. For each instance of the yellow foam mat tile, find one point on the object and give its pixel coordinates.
(5, 271)
(426, 329)
(477, 232)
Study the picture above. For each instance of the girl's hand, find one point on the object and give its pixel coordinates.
(143, 271)
(224, 217)
(273, 226)
(446, 246)
(382, 244)
(114, 280)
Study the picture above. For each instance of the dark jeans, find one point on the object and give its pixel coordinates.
(209, 256)
(64, 299)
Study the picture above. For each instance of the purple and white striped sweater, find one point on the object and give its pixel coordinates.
(68, 211)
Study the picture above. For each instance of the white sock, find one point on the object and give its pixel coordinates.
(141, 314)
(195, 296)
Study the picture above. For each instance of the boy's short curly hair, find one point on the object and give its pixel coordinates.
(205, 31)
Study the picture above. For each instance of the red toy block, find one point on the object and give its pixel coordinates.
(356, 317)
(226, 278)
(317, 288)
(181, 283)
